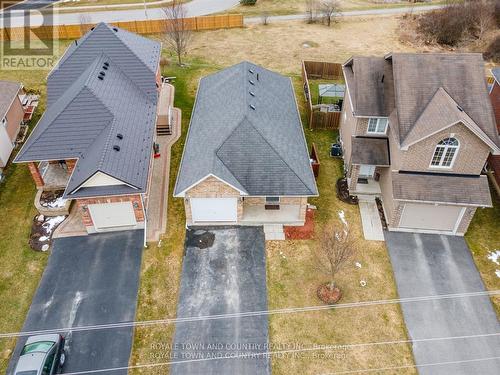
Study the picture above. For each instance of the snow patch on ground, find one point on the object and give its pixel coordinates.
(52, 222)
(43, 238)
(57, 203)
(494, 256)
(497, 272)
(342, 217)
(362, 282)
(358, 264)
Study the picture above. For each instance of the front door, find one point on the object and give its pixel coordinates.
(366, 171)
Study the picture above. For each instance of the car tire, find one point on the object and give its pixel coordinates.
(62, 358)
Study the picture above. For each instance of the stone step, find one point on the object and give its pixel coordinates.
(273, 228)
(274, 236)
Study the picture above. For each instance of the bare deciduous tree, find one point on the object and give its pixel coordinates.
(484, 10)
(335, 249)
(311, 7)
(177, 31)
(264, 16)
(329, 10)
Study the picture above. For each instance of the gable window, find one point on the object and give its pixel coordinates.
(445, 153)
(377, 125)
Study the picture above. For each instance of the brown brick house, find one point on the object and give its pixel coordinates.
(494, 160)
(245, 160)
(95, 140)
(416, 131)
(11, 117)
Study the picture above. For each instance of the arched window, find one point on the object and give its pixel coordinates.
(445, 153)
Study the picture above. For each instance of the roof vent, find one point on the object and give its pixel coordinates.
(257, 76)
(251, 71)
(100, 77)
(460, 108)
(119, 136)
(116, 148)
(115, 29)
(251, 93)
(383, 77)
(251, 82)
(252, 106)
(105, 67)
(92, 28)
(106, 63)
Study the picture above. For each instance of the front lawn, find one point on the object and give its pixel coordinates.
(483, 238)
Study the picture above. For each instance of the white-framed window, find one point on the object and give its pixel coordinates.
(445, 153)
(377, 125)
(272, 200)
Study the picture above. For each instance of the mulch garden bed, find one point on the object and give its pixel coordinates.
(327, 295)
(305, 232)
(342, 190)
(41, 231)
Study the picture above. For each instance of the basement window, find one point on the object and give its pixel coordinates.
(272, 203)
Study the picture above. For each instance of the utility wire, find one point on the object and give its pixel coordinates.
(290, 351)
(291, 310)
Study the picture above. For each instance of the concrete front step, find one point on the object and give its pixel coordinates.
(274, 232)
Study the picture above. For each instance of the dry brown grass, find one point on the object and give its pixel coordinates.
(279, 46)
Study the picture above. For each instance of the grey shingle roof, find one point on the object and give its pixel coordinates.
(8, 91)
(137, 57)
(370, 150)
(444, 188)
(496, 74)
(259, 150)
(84, 123)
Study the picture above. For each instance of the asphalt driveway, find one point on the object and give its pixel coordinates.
(223, 272)
(429, 265)
(89, 280)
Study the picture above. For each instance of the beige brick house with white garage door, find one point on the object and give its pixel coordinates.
(245, 160)
(416, 131)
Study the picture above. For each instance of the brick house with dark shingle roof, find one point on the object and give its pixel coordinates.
(95, 139)
(494, 160)
(246, 159)
(433, 113)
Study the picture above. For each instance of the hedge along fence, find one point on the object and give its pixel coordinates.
(320, 70)
(140, 27)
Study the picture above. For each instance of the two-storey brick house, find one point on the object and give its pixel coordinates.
(416, 131)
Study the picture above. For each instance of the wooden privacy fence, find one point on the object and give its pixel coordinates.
(320, 70)
(225, 21)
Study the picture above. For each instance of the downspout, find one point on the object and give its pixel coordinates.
(145, 220)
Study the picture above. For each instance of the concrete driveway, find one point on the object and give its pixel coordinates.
(224, 271)
(89, 280)
(429, 265)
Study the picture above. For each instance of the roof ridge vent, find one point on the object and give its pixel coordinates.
(251, 71)
(460, 108)
(251, 93)
(252, 106)
(116, 148)
(251, 82)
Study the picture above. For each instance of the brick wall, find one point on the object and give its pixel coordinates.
(466, 220)
(295, 201)
(470, 159)
(35, 174)
(70, 164)
(353, 173)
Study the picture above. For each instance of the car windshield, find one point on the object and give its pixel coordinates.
(40, 346)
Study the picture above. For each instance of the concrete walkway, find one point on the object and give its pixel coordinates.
(158, 195)
(194, 8)
(372, 226)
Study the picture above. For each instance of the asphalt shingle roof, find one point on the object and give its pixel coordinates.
(246, 130)
(370, 150)
(137, 57)
(8, 91)
(442, 188)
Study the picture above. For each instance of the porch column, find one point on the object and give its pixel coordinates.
(35, 174)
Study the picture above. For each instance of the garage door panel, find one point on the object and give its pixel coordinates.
(214, 209)
(110, 215)
(430, 217)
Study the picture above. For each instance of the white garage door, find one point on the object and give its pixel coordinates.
(214, 209)
(430, 217)
(111, 215)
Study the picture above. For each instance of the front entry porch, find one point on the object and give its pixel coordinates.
(289, 214)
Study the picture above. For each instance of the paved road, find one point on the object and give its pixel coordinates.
(89, 280)
(426, 265)
(32, 4)
(194, 8)
(226, 275)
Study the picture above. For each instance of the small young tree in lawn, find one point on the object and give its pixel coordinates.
(335, 250)
(311, 7)
(329, 9)
(177, 31)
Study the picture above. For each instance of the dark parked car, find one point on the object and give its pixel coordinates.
(41, 355)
